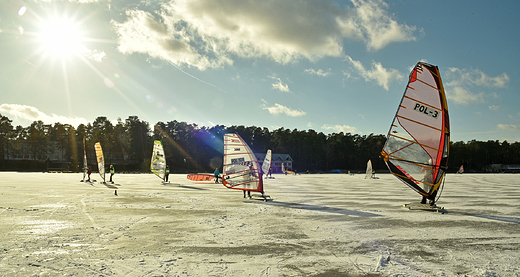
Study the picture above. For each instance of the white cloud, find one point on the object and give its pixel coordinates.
(461, 84)
(319, 72)
(508, 127)
(340, 128)
(377, 73)
(279, 85)
(32, 114)
(376, 26)
(280, 109)
(210, 34)
(462, 96)
(95, 54)
(494, 107)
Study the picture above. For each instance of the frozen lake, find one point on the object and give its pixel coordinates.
(316, 225)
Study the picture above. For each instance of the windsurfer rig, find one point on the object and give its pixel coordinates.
(417, 144)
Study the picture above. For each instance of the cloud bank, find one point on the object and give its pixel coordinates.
(280, 109)
(213, 33)
(340, 128)
(462, 85)
(32, 114)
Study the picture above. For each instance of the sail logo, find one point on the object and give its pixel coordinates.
(236, 149)
(235, 140)
(238, 161)
(406, 174)
(425, 110)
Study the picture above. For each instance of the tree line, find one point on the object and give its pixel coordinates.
(191, 148)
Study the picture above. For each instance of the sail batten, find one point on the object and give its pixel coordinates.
(416, 149)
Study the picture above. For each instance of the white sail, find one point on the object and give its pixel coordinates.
(266, 165)
(368, 174)
(158, 164)
(283, 169)
(100, 160)
(461, 169)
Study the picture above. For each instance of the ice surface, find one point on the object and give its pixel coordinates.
(325, 225)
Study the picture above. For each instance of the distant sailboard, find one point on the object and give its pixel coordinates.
(416, 149)
(285, 171)
(158, 163)
(266, 165)
(85, 164)
(461, 169)
(368, 174)
(241, 170)
(100, 160)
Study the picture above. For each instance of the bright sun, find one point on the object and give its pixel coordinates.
(60, 37)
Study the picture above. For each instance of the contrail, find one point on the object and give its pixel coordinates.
(202, 81)
(30, 63)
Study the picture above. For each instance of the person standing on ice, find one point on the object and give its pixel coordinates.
(112, 171)
(89, 171)
(166, 173)
(217, 174)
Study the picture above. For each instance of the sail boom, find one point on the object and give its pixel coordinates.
(414, 142)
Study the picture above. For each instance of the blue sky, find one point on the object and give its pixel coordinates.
(330, 66)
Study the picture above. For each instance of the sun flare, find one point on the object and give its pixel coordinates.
(60, 37)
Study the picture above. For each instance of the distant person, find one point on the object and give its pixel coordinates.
(88, 173)
(216, 174)
(112, 171)
(166, 173)
(269, 173)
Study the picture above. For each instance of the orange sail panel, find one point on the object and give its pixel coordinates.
(200, 177)
(416, 149)
(241, 169)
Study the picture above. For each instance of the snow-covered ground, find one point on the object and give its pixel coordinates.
(322, 225)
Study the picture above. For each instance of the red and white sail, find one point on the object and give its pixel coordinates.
(241, 170)
(416, 149)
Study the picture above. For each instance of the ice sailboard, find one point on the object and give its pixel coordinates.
(100, 160)
(266, 165)
(416, 148)
(158, 163)
(369, 174)
(461, 169)
(241, 170)
(85, 164)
